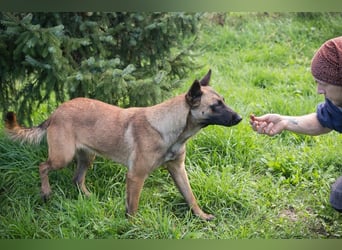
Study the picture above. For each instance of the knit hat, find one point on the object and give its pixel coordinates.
(326, 64)
(336, 195)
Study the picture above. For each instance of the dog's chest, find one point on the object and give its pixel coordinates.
(178, 147)
(174, 151)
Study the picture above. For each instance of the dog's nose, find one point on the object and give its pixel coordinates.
(236, 119)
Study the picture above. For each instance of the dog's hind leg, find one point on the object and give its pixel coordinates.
(45, 167)
(84, 161)
(61, 152)
(45, 190)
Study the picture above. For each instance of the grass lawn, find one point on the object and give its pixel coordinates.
(257, 186)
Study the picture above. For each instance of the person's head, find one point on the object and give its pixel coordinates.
(326, 68)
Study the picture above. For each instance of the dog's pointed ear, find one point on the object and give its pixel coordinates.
(193, 97)
(206, 79)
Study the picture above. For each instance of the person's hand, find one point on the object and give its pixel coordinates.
(270, 124)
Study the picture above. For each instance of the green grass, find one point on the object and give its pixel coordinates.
(257, 186)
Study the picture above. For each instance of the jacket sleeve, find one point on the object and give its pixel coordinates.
(330, 116)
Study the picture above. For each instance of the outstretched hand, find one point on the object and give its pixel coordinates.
(270, 124)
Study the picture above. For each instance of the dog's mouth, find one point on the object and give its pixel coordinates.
(236, 120)
(227, 121)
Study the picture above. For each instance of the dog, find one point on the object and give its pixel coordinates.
(140, 138)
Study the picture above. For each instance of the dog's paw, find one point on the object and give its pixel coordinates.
(45, 196)
(206, 217)
(209, 217)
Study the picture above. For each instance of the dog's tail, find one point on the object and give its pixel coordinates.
(31, 135)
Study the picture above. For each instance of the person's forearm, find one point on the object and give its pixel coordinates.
(307, 124)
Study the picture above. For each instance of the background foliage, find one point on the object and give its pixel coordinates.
(257, 186)
(127, 59)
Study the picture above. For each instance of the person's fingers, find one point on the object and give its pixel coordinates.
(254, 126)
(269, 128)
(263, 118)
(261, 127)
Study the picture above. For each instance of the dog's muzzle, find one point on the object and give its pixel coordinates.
(236, 119)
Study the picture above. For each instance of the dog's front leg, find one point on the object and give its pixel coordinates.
(134, 184)
(177, 170)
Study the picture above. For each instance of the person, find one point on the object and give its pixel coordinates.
(326, 68)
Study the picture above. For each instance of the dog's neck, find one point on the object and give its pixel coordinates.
(177, 148)
(171, 119)
(174, 122)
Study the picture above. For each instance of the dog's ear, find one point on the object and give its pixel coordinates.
(206, 79)
(193, 97)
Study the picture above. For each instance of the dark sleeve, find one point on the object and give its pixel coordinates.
(323, 116)
(329, 116)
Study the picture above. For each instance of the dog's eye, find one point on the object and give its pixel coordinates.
(217, 105)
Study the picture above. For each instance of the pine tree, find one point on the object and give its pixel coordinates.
(127, 59)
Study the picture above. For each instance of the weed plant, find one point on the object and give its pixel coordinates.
(257, 186)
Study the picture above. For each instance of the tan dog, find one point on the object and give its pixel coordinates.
(140, 138)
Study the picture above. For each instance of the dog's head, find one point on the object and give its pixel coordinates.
(208, 107)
